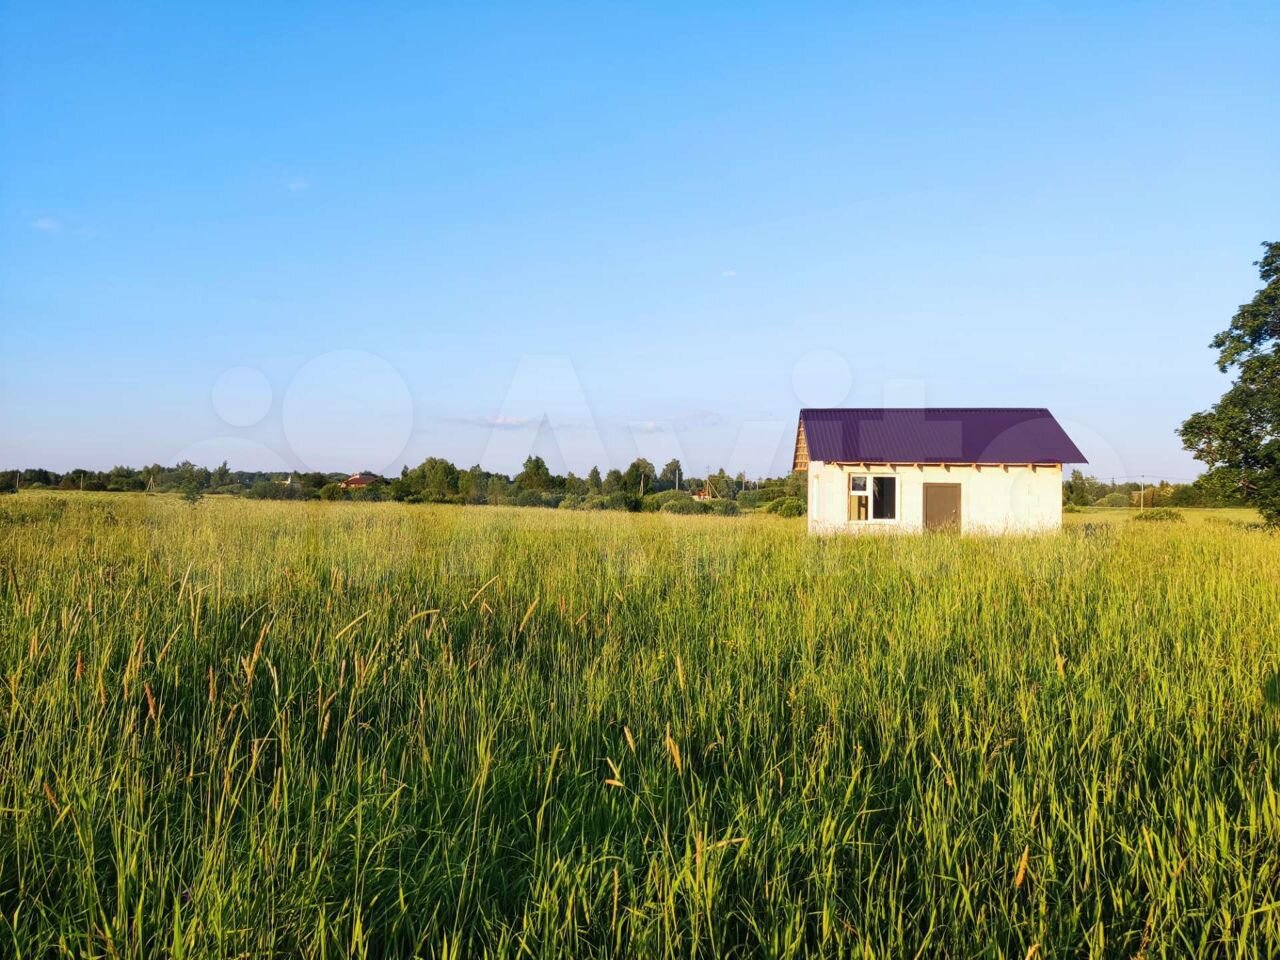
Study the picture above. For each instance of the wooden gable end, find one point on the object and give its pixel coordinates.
(800, 461)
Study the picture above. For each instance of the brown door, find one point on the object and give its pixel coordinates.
(942, 506)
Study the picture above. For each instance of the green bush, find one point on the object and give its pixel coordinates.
(654, 502)
(760, 497)
(1071, 508)
(611, 501)
(528, 498)
(428, 496)
(1161, 515)
(572, 502)
(786, 507)
(688, 505)
(725, 508)
(1116, 499)
(270, 490)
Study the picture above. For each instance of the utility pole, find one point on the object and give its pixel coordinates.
(1142, 492)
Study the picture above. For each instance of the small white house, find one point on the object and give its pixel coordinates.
(975, 470)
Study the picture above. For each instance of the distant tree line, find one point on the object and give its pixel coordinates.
(181, 478)
(1214, 489)
(640, 487)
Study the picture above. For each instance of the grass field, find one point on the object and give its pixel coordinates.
(1231, 516)
(256, 729)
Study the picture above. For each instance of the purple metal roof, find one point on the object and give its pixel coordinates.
(937, 435)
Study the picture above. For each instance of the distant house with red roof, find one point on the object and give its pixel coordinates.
(358, 481)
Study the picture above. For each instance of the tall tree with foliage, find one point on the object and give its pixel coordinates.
(639, 476)
(189, 487)
(1241, 432)
(535, 475)
(669, 478)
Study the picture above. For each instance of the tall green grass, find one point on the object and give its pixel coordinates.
(253, 729)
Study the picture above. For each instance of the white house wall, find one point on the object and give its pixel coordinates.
(992, 499)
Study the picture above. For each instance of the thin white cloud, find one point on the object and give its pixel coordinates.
(516, 423)
(728, 273)
(47, 224)
(496, 423)
(298, 184)
(694, 419)
(672, 418)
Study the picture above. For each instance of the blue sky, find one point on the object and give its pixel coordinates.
(334, 237)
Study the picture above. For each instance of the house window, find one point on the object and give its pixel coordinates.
(884, 502)
(859, 499)
(873, 498)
